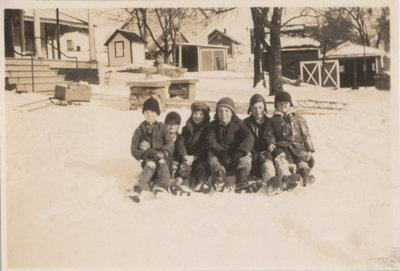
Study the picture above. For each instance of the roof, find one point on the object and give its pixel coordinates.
(49, 16)
(205, 45)
(349, 49)
(152, 46)
(289, 28)
(216, 31)
(297, 42)
(131, 36)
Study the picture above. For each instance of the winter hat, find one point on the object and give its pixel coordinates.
(283, 96)
(256, 98)
(151, 104)
(227, 102)
(173, 118)
(200, 106)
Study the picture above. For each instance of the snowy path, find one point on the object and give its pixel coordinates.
(69, 171)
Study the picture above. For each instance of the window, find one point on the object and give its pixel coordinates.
(341, 68)
(78, 48)
(70, 45)
(219, 37)
(195, 33)
(119, 48)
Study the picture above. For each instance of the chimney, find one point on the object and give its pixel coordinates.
(224, 30)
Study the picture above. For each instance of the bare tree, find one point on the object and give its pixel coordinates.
(383, 28)
(263, 18)
(333, 28)
(164, 25)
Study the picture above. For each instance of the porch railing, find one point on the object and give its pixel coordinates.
(76, 58)
(32, 71)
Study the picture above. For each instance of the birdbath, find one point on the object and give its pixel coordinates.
(149, 71)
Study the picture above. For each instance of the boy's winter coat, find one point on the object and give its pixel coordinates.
(231, 138)
(193, 140)
(263, 133)
(291, 131)
(178, 148)
(160, 140)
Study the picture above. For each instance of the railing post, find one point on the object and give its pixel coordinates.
(77, 71)
(33, 75)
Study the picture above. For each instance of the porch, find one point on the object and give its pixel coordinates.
(42, 75)
(37, 55)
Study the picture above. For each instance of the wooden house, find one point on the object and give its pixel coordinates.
(217, 37)
(124, 48)
(202, 57)
(352, 69)
(294, 49)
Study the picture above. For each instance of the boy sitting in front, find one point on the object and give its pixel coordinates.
(153, 145)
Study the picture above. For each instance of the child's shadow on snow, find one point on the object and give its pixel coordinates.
(122, 170)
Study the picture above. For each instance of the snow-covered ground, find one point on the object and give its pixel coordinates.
(69, 173)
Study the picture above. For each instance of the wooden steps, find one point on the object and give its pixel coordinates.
(18, 76)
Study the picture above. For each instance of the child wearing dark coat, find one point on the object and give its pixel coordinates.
(229, 144)
(153, 146)
(192, 149)
(260, 126)
(180, 170)
(294, 147)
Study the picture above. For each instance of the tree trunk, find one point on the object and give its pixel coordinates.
(258, 74)
(258, 48)
(275, 73)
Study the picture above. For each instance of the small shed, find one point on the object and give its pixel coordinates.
(124, 48)
(293, 51)
(217, 37)
(351, 63)
(202, 57)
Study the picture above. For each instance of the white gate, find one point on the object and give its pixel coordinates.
(311, 73)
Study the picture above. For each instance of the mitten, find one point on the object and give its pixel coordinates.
(224, 158)
(188, 159)
(215, 164)
(236, 158)
(271, 148)
(144, 145)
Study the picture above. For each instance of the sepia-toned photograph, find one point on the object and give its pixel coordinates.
(199, 135)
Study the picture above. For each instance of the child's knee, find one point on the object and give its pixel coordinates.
(150, 164)
(268, 166)
(245, 162)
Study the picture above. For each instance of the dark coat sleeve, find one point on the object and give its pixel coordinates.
(180, 148)
(306, 134)
(269, 133)
(136, 152)
(169, 144)
(211, 141)
(246, 139)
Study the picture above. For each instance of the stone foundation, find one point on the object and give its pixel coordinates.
(140, 91)
(183, 88)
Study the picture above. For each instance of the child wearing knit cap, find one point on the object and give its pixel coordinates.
(260, 126)
(294, 147)
(180, 171)
(153, 146)
(192, 149)
(229, 143)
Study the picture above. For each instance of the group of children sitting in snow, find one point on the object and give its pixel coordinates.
(260, 151)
